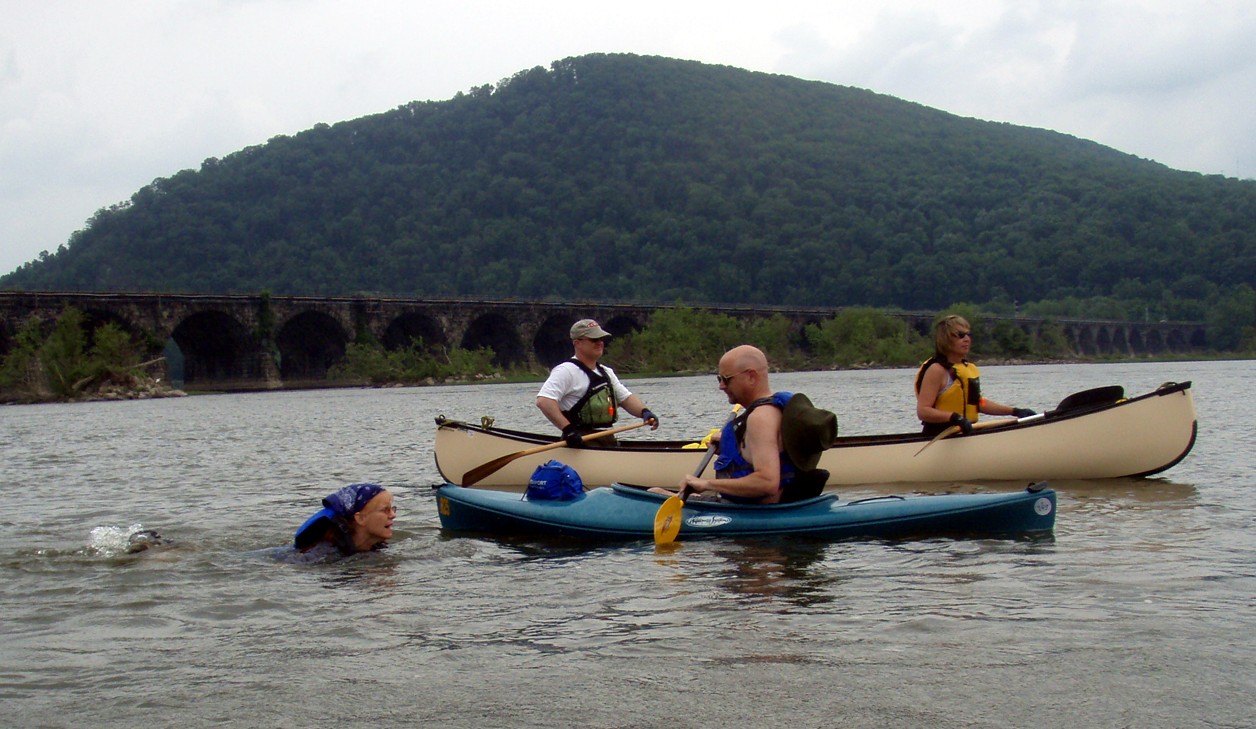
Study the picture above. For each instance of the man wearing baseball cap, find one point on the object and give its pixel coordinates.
(582, 395)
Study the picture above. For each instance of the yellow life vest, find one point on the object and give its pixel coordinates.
(963, 395)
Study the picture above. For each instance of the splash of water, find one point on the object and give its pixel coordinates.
(110, 541)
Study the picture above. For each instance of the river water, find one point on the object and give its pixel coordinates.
(1140, 612)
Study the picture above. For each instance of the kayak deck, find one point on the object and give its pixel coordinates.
(627, 512)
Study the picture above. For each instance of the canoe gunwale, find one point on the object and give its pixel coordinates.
(528, 439)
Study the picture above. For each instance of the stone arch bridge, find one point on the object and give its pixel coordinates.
(262, 341)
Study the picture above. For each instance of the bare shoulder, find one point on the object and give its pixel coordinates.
(764, 417)
(935, 373)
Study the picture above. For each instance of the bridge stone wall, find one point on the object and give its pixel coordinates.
(252, 341)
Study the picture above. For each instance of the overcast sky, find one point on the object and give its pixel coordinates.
(100, 97)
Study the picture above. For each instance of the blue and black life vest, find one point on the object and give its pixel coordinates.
(732, 464)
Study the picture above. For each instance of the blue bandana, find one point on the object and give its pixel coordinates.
(351, 499)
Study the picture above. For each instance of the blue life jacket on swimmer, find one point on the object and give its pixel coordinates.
(732, 464)
(323, 523)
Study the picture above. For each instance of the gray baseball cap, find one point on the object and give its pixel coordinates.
(588, 329)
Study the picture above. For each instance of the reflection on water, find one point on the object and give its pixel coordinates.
(1154, 489)
(778, 569)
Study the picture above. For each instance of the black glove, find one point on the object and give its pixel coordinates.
(571, 434)
(1022, 412)
(965, 425)
(647, 416)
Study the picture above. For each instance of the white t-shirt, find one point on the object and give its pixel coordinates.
(567, 383)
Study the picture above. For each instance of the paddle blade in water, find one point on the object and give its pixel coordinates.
(667, 520)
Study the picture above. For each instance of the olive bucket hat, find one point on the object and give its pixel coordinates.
(806, 431)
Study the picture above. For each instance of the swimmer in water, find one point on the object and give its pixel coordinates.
(142, 540)
(357, 518)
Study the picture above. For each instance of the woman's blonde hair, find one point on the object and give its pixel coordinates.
(945, 328)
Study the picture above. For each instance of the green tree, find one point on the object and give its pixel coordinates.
(20, 370)
(368, 361)
(61, 365)
(679, 340)
(862, 336)
(62, 354)
(1008, 339)
(1231, 323)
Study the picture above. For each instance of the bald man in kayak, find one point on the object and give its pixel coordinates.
(749, 469)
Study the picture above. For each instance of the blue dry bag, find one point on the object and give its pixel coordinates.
(554, 481)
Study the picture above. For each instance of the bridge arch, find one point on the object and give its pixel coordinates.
(1103, 340)
(498, 333)
(309, 344)
(623, 324)
(1137, 341)
(407, 327)
(215, 347)
(799, 336)
(95, 318)
(92, 320)
(1085, 338)
(552, 343)
(1121, 340)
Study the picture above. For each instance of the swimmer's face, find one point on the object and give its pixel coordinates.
(376, 518)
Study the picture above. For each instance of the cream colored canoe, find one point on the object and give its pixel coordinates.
(1132, 437)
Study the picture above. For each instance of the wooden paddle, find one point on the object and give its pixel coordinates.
(478, 473)
(1105, 395)
(667, 519)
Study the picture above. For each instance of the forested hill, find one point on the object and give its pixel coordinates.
(620, 177)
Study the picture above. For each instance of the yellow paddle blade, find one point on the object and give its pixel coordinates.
(667, 520)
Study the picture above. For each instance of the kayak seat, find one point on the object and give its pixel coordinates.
(806, 485)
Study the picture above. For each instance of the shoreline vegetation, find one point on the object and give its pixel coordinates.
(70, 363)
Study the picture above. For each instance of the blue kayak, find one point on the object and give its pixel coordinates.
(627, 512)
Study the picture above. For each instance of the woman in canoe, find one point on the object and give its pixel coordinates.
(948, 386)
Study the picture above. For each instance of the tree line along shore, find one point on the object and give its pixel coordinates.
(68, 363)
